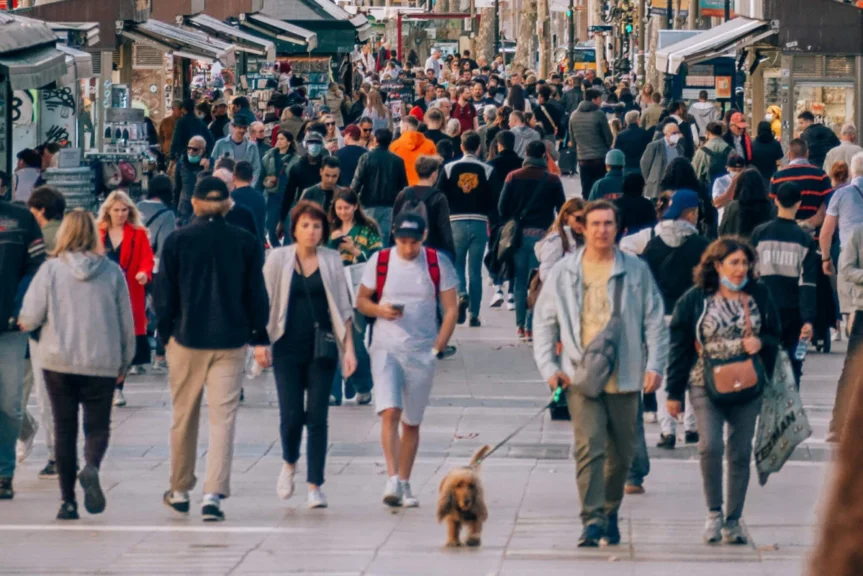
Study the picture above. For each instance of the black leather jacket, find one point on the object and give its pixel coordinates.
(379, 178)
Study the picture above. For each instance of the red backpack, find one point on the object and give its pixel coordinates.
(384, 266)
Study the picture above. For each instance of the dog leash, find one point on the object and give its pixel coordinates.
(555, 398)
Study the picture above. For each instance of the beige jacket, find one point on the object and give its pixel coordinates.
(278, 272)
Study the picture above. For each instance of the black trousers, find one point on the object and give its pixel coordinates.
(66, 392)
(590, 171)
(792, 323)
(303, 386)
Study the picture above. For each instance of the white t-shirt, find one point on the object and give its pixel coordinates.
(720, 187)
(409, 283)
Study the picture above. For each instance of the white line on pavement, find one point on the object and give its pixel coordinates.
(188, 529)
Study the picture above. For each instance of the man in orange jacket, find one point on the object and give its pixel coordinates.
(410, 146)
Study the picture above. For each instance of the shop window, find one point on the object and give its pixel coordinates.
(807, 65)
(832, 103)
(839, 66)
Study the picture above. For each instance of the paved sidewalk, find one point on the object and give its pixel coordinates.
(485, 391)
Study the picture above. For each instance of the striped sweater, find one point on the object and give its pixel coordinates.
(814, 184)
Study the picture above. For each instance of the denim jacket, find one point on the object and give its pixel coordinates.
(557, 318)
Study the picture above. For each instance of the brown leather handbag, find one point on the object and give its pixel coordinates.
(735, 380)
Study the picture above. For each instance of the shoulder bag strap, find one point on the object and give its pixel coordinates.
(306, 290)
(153, 218)
(550, 119)
(748, 318)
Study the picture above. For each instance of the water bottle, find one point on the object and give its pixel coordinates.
(800, 351)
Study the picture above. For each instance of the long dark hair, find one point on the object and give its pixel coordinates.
(705, 275)
(679, 174)
(571, 206)
(749, 191)
(764, 132)
(515, 98)
(360, 217)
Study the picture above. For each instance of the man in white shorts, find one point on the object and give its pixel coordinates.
(401, 287)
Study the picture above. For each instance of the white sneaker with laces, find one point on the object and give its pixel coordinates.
(510, 302)
(285, 485)
(317, 499)
(408, 499)
(119, 399)
(393, 492)
(496, 300)
(23, 448)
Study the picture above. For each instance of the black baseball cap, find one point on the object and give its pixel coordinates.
(409, 225)
(240, 121)
(211, 188)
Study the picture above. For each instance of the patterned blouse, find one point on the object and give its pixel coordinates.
(722, 329)
(366, 238)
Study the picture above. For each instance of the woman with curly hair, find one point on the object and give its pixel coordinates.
(126, 244)
(727, 314)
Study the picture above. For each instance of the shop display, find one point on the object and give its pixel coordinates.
(832, 104)
(314, 69)
(125, 131)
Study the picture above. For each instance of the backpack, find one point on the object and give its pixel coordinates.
(382, 269)
(718, 162)
(416, 203)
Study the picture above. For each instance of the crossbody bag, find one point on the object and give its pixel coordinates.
(325, 345)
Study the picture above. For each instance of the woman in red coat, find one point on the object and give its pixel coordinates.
(126, 243)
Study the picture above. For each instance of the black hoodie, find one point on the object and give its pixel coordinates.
(820, 140)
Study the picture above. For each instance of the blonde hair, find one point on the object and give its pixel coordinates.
(376, 103)
(114, 197)
(78, 233)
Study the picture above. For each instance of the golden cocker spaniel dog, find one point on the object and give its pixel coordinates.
(461, 502)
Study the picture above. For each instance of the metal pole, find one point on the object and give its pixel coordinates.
(694, 15)
(496, 27)
(727, 10)
(642, 40)
(572, 35)
(669, 15)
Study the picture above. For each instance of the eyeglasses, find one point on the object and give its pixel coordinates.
(194, 149)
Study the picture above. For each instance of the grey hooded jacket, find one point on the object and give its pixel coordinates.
(557, 318)
(589, 132)
(81, 303)
(524, 135)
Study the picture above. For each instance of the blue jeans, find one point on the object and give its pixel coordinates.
(361, 381)
(383, 215)
(13, 345)
(274, 205)
(470, 238)
(524, 261)
(641, 463)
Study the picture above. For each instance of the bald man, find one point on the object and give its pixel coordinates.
(191, 163)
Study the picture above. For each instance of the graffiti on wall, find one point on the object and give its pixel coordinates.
(24, 108)
(58, 122)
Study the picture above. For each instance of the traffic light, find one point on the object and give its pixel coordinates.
(628, 28)
(568, 13)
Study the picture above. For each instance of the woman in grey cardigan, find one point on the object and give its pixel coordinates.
(79, 303)
(309, 298)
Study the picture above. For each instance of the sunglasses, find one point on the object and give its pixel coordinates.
(365, 130)
(193, 149)
(329, 124)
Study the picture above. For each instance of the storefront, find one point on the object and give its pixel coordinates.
(35, 106)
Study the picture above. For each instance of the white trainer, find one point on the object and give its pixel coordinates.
(119, 399)
(393, 492)
(408, 499)
(496, 300)
(317, 499)
(285, 485)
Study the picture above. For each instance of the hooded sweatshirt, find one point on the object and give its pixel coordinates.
(410, 146)
(776, 122)
(81, 303)
(672, 254)
(524, 135)
(704, 113)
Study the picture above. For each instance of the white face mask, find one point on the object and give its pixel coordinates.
(769, 117)
(674, 139)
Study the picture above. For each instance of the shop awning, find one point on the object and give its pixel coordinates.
(178, 41)
(312, 12)
(79, 65)
(242, 41)
(35, 68)
(76, 33)
(727, 37)
(280, 30)
(21, 33)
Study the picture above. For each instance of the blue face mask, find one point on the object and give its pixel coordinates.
(194, 159)
(732, 286)
(314, 149)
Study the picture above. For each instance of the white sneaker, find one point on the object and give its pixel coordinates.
(408, 499)
(285, 485)
(23, 448)
(496, 300)
(510, 302)
(650, 418)
(317, 499)
(393, 492)
(119, 399)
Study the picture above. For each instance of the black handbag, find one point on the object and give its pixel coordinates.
(510, 235)
(326, 348)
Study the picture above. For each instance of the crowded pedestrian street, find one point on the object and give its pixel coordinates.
(481, 395)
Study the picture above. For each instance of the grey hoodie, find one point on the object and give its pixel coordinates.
(704, 113)
(81, 303)
(672, 232)
(524, 135)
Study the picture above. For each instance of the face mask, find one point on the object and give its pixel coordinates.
(674, 139)
(769, 117)
(200, 116)
(314, 149)
(732, 286)
(194, 159)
